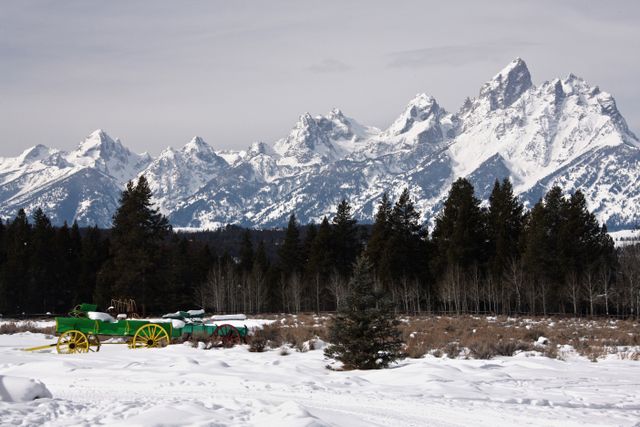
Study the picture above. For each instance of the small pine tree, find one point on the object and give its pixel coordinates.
(364, 334)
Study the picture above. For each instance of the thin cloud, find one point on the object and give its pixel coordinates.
(329, 65)
(454, 54)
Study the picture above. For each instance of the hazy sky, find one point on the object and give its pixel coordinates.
(155, 73)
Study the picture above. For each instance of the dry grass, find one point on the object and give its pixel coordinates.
(295, 331)
(18, 327)
(486, 337)
(478, 337)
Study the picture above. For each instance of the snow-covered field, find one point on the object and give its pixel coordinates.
(182, 385)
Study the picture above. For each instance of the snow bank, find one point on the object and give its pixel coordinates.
(18, 389)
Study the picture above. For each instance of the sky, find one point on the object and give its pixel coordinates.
(156, 73)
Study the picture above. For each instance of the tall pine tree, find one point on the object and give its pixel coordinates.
(136, 238)
(346, 245)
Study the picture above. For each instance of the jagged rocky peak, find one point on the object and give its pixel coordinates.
(419, 109)
(258, 148)
(306, 142)
(99, 143)
(102, 152)
(198, 147)
(578, 93)
(100, 148)
(507, 86)
(337, 126)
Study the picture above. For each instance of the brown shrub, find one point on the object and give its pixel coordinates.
(15, 328)
(416, 348)
(482, 350)
(452, 350)
(257, 343)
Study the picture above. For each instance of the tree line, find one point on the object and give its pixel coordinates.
(495, 257)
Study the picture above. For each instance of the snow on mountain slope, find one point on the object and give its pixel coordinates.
(177, 174)
(563, 131)
(82, 186)
(322, 139)
(540, 130)
(101, 152)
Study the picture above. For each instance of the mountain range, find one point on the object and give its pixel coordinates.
(563, 131)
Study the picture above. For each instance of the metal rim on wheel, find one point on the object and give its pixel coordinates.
(228, 334)
(150, 336)
(71, 342)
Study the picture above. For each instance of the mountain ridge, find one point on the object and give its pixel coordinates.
(561, 131)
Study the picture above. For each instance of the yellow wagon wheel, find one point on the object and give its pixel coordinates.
(94, 342)
(150, 335)
(71, 342)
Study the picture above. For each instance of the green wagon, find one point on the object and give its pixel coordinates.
(82, 334)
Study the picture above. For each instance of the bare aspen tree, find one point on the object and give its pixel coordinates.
(514, 277)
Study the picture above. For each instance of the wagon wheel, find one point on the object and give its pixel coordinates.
(94, 342)
(228, 334)
(71, 342)
(150, 335)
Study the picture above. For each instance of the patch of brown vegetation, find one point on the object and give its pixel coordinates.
(481, 337)
(486, 337)
(15, 328)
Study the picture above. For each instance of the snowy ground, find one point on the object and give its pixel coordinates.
(182, 385)
(625, 237)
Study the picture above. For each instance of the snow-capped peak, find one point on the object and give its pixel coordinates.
(307, 143)
(34, 154)
(419, 109)
(102, 152)
(99, 145)
(199, 148)
(563, 131)
(507, 86)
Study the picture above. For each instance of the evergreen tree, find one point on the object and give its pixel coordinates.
(505, 221)
(309, 237)
(73, 264)
(380, 232)
(134, 270)
(246, 252)
(16, 271)
(364, 333)
(290, 252)
(346, 244)
(404, 248)
(556, 209)
(459, 234)
(43, 287)
(260, 259)
(95, 252)
(67, 247)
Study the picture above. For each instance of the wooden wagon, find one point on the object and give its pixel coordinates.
(86, 331)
